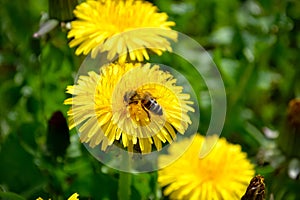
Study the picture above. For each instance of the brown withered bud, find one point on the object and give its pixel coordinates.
(294, 113)
(289, 137)
(256, 189)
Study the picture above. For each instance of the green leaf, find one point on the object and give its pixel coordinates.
(10, 196)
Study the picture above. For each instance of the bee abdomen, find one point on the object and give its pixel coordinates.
(154, 107)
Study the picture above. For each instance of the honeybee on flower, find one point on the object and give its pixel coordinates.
(134, 104)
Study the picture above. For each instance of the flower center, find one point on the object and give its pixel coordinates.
(211, 171)
(142, 107)
(139, 105)
(139, 114)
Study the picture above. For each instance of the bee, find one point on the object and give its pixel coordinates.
(147, 101)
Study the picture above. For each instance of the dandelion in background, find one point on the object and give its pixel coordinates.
(223, 174)
(72, 197)
(120, 27)
(137, 105)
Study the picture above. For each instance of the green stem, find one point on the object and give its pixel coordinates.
(124, 190)
(124, 186)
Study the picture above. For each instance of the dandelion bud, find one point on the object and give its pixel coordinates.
(289, 138)
(62, 9)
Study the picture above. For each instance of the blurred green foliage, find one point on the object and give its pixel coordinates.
(255, 44)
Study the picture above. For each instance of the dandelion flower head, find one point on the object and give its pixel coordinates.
(223, 174)
(121, 28)
(137, 105)
(72, 197)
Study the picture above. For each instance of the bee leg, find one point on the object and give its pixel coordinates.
(148, 114)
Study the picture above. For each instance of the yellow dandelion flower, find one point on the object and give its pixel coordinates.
(72, 197)
(121, 28)
(223, 174)
(137, 105)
